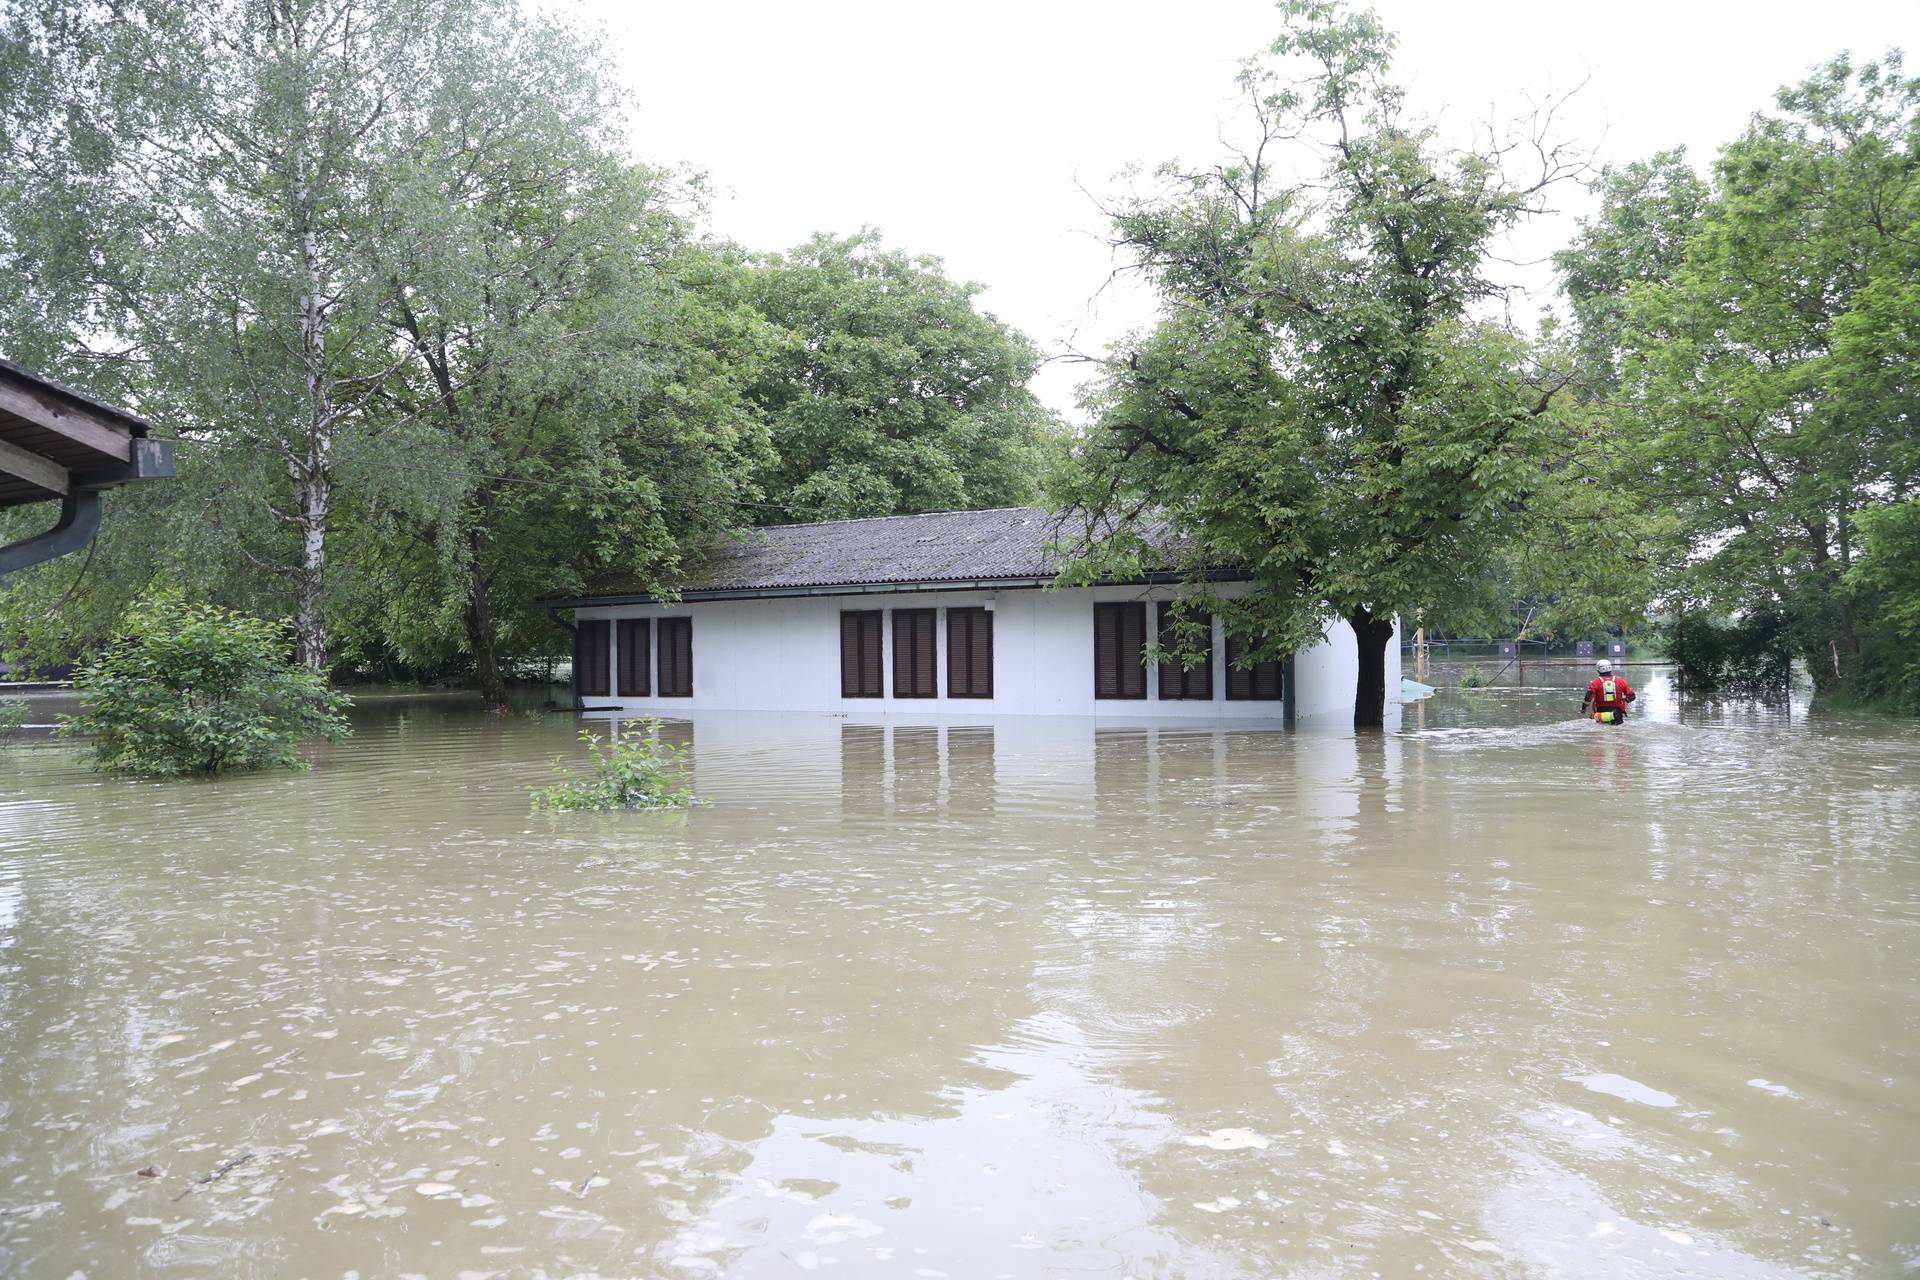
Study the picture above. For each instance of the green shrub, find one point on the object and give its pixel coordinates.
(13, 714)
(194, 689)
(632, 769)
(1474, 678)
(1751, 656)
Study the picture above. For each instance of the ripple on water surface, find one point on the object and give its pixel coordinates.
(1503, 992)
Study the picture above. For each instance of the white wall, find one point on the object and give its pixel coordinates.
(783, 654)
(1327, 672)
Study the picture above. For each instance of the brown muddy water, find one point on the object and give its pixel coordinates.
(1501, 993)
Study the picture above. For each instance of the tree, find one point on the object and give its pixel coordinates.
(610, 438)
(1319, 404)
(204, 203)
(1766, 373)
(1649, 210)
(195, 689)
(888, 392)
(575, 356)
(1885, 582)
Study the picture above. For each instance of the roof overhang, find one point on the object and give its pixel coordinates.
(874, 589)
(59, 444)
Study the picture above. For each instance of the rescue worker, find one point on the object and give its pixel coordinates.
(1607, 695)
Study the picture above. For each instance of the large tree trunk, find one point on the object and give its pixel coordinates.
(311, 472)
(313, 495)
(311, 468)
(482, 637)
(1372, 635)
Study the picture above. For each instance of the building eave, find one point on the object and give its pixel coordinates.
(876, 589)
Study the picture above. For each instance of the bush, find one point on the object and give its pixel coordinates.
(632, 769)
(1749, 657)
(195, 689)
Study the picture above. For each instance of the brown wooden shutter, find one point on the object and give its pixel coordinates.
(636, 658)
(1177, 683)
(676, 657)
(1119, 650)
(969, 653)
(860, 671)
(1260, 682)
(590, 658)
(914, 674)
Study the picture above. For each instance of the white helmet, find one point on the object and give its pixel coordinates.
(1604, 667)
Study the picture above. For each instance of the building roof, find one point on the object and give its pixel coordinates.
(1004, 546)
(54, 439)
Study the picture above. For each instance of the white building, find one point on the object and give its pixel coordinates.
(948, 612)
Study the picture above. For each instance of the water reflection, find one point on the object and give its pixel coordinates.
(1008, 997)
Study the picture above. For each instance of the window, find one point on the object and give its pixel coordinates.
(590, 658)
(676, 657)
(1190, 683)
(969, 653)
(913, 645)
(860, 671)
(1119, 650)
(1261, 682)
(636, 657)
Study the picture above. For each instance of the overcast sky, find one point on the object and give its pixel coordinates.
(969, 131)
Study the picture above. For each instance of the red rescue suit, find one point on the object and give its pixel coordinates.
(1607, 699)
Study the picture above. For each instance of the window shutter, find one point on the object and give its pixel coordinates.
(969, 653)
(636, 657)
(1260, 682)
(913, 654)
(676, 657)
(590, 658)
(860, 654)
(1119, 650)
(1184, 684)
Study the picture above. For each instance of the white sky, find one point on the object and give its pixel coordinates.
(969, 130)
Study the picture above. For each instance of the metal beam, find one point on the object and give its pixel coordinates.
(51, 414)
(34, 469)
(79, 521)
(151, 460)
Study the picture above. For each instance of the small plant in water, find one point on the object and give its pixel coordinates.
(630, 769)
(1473, 678)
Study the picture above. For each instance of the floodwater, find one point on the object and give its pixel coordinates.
(1500, 993)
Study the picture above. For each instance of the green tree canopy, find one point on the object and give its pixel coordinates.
(1766, 350)
(1321, 403)
(888, 391)
(192, 199)
(432, 343)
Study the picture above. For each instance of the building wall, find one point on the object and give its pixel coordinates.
(783, 654)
